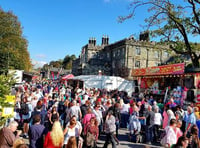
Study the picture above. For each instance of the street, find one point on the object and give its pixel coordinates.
(124, 142)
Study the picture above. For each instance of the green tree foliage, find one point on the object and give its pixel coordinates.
(67, 62)
(56, 64)
(13, 46)
(174, 22)
(6, 82)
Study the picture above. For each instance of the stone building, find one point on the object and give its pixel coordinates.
(119, 58)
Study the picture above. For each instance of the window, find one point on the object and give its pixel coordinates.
(137, 50)
(156, 54)
(118, 52)
(113, 54)
(137, 64)
(108, 55)
(166, 54)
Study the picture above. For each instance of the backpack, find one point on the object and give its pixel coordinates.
(24, 109)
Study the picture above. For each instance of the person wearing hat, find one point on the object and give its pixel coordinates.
(110, 128)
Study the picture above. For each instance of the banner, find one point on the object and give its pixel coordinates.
(8, 111)
(160, 70)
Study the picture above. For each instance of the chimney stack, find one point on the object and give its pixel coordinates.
(95, 41)
(103, 40)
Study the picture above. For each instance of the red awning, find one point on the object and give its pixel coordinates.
(67, 76)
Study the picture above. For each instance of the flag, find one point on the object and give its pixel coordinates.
(52, 74)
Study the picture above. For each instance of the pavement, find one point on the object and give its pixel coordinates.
(123, 140)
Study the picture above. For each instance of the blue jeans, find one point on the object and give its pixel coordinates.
(149, 133)
(124, 120)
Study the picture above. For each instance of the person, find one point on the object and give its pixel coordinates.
(171, 115)
(134, 123)
(84, 107)
(194, 139)
(190, 120)
(170, 138)
(71, 142)
(53, 116)
(99, 117)
(7, 135)
(88, 116)
(36, 132)
(18, 142)
(73, 128)
(75, 110)
(26, 110)
(178, 131)
(181, 143)
(149, 124)
(92, 132)
(110, 128)
(22, 146)
(157, 124)
(116, 113)
(54, 138)
(165, 117)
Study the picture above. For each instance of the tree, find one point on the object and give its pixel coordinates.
(67, 62)
(5, 85)
(175, 23)
(13, 46)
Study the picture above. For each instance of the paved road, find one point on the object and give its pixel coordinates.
(124, 142)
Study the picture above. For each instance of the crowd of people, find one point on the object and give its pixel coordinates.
(53, 115)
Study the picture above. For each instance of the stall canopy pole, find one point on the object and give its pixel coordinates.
(165, 95)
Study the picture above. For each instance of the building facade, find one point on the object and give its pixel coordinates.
(119, 58)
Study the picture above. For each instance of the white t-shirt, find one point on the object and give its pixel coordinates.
(125, 108)
(157, 119)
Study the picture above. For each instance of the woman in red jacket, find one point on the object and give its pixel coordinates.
(55, 138)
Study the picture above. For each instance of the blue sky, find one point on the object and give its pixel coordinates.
(55, 28)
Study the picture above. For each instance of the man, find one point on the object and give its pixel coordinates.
(110, 128)
(75, 110)
(85, 107)
(7, 136)
(190, 120)
(149, 116)
(36, 133)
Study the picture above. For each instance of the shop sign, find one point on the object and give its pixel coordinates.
(160, 70)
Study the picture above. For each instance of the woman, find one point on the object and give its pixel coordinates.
(92, 132)
(88, 116)
(71, 142)
(170, 115)
(178, 131)
(181, 143)
(73, 128)
(134, 124)
(165, 117)
(53, 116)
(194, 139)
(55, 138)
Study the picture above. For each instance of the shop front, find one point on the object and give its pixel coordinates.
(162, 80)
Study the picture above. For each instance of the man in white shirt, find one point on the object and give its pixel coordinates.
(75, 110)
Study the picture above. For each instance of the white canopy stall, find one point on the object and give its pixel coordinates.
(106, 82)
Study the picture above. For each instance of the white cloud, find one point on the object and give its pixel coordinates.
(41, 56)
(37, 64)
